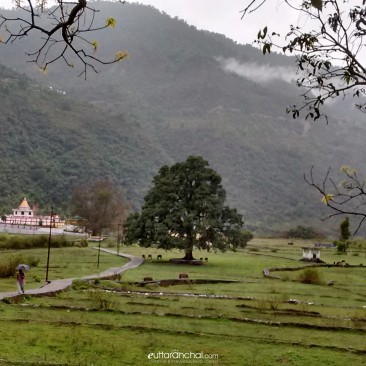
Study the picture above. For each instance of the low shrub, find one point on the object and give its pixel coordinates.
(37, 278)
(270, 303)
(310, 276)
(78, 285)
(102, 300)
(16, 242)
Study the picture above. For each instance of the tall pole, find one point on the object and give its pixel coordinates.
(119, 237)
(49, 244)
(100, 239)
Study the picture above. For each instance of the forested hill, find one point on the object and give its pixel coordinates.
(181, 92)
(50, 143)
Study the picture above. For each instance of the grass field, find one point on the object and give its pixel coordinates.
(64, 263)
(254, 321)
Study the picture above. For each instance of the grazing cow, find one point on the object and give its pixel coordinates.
(148, 279)
(159, 257)
(183, 276)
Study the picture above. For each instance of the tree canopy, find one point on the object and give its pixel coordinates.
(329, 51)
(185, 209)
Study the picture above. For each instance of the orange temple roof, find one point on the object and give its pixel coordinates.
(24, 204)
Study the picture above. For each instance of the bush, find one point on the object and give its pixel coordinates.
(310, 276)
(29, 242)
(342, 246)
(7, 268)
(102, 300)
(78, 285)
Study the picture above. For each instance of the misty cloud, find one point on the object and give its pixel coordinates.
(257, 73)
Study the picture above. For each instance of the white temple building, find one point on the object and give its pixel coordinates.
(310, 253)
(25, 215)
(23, 211)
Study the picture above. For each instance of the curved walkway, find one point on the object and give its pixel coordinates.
(60, 285)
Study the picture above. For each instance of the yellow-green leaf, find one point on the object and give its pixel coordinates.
(327, 197)
(95, 45)
(43, 70)
(348, 170)
(120, 55)
(110, 22)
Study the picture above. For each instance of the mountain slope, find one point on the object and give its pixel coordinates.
(175, 91)
(50, 143)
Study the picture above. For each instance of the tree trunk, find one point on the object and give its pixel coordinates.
(189, 255)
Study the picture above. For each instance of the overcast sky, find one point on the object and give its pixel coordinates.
(223, 16)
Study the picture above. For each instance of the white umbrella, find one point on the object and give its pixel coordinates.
(23, 267)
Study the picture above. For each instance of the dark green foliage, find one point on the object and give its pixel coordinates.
(302, 232)
(30, 242)
(342, 246)
(185, 209)
(343, 243)
(241, 238)
(344, 229)
(47, 150)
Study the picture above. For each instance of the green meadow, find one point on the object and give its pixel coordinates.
(247, 320)
(69, 262)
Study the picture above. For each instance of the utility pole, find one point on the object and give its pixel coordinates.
(100, 239)
(119, 237)
(49, 244)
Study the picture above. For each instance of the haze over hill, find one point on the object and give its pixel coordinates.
(181, 92)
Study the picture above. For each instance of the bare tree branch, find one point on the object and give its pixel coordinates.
(329, 60)
(61, 28)
(346, 197)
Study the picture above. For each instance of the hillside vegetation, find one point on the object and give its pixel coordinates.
(172, 98)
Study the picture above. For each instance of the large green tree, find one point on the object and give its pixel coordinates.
(185, 209)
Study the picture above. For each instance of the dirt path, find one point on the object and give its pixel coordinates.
(60, 285)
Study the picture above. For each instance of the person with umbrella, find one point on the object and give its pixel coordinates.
(21, 277)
